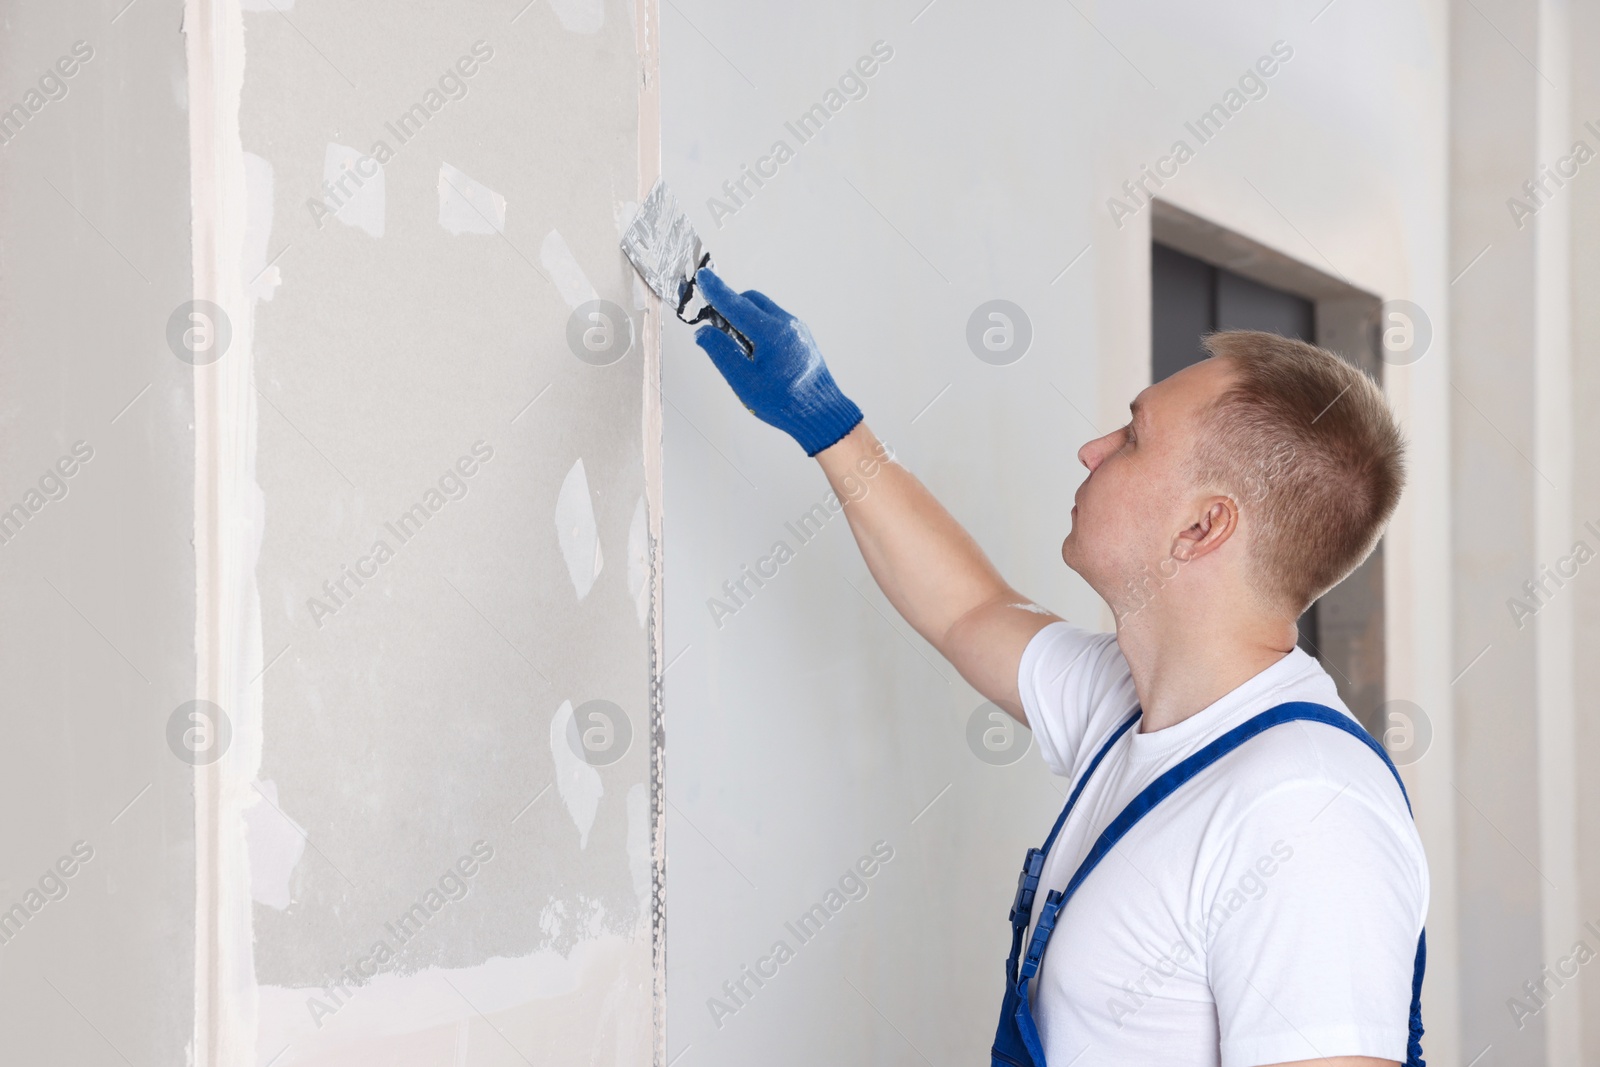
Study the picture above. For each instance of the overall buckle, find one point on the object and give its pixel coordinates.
(1027, 885)
(1041, 934)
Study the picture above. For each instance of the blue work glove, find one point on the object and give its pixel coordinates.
(784, 382)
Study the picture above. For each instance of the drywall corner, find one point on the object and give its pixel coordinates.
(227, 530)
(647, 27)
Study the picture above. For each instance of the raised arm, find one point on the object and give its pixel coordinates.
(931, 570)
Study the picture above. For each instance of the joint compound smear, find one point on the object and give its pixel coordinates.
(355, 170)
(385, 954)
(578, 783)
(576, 531)
(453, 484)
(467, 205)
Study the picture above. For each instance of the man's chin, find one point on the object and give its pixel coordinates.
(1072, 554)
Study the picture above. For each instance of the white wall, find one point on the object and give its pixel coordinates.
(812, 723)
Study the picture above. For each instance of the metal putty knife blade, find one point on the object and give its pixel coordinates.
(663, 247)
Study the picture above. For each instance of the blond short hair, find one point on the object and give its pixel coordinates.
(1308, 447)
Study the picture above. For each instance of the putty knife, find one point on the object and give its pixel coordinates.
(663, 247)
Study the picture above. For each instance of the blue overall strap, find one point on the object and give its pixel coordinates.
(1305, 711)
(1141, 805)
(1007, 1040)
(1087, 774)
(1033, 864)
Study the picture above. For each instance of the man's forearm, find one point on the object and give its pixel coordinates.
(931, 570)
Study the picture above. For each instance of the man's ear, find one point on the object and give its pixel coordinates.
(1216, 524)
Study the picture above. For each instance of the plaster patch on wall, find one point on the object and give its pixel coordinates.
(595, 924)
(580, 16)
(260, 281)
(538, 993)
(639, 561)
(578, 783)
(467, 205)
(623, 213)
(365, 207)
(576, 531)
(550, 918)
(276, 844)
(570, 280)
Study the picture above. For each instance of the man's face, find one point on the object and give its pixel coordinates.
(1135, 501)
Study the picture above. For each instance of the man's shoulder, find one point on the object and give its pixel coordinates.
(1291, 772)
(1307, 749)
(1066, 666)
(1061, 642)
(1075, 688)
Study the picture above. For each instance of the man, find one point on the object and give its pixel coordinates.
(1269, 912)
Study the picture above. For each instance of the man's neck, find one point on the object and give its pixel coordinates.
(1181, 667)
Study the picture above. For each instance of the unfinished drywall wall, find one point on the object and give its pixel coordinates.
(973, 156)
(97, 568)
(431, 447)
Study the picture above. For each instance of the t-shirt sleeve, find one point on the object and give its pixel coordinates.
(1310, 917)
(1075, 687)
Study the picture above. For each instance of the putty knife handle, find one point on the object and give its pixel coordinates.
(714, 317)
(710, 314)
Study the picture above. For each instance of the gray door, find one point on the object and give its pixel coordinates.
(1189, 298)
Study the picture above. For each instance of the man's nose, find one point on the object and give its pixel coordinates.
(1093, 452)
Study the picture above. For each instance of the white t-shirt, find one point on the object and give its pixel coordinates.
(1265, 912)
